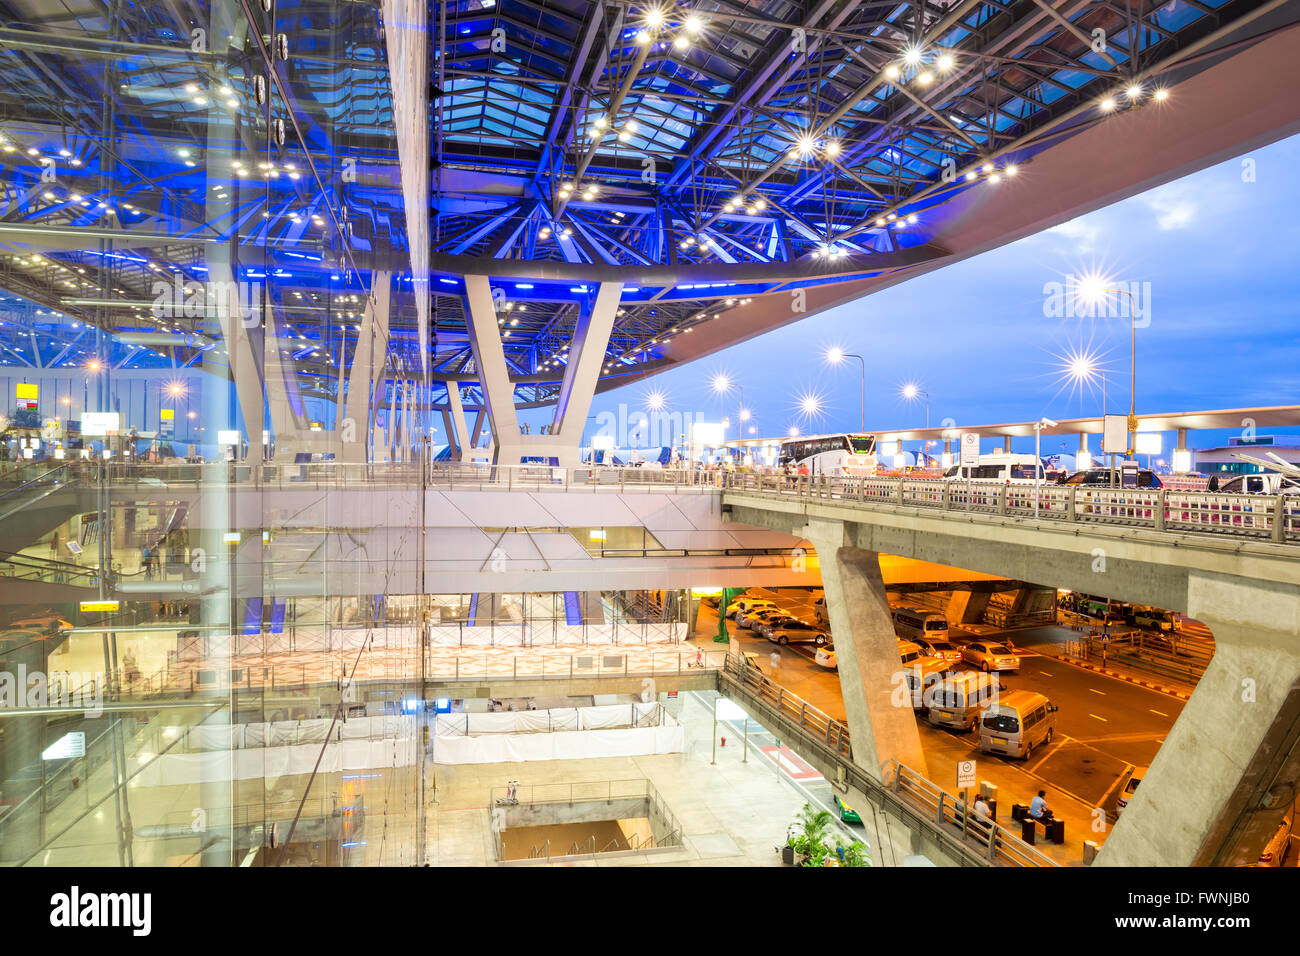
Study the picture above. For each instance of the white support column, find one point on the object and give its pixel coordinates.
(582, 372)
(239, 347)
(368, 363)
(459, 437)
(586, 357)
(288, 423)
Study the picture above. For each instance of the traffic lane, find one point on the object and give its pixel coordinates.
(1127, 718)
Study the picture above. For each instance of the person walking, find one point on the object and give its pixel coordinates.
(982, 808)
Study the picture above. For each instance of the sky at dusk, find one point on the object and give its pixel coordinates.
(1222, 259)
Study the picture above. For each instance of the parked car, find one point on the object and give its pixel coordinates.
(944, 650)
(1275, 850)
(746, 604)
(990, 656)
(1100, 478)
(825, 656)
(847, 813)
(765, 624)
(819, 609)
(760, 615)
(798, 632)
(1129, 787)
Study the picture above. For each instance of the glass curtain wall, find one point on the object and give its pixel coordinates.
(211, 367)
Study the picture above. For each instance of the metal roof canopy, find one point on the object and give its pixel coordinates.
(1269, 416)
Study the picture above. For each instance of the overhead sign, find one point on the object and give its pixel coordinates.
(71, 744)
(228, 436)
(1114, 435)
(970, 448)
(100, 423)
(28, 394)
(91, 606)
(965, 774)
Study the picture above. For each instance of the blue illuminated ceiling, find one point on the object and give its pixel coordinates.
(703, 154)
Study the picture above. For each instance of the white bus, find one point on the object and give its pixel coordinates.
(835, 455)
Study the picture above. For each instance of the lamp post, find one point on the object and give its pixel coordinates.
(835, 356)
(722, 385)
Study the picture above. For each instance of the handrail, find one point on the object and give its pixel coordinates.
(1274, 518)
(831, 738)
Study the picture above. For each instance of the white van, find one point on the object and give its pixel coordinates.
(911, 623)
(920, 672)
(998, 468)
(1017, 723)
(958, 701)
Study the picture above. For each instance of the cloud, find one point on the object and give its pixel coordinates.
(1085, 231)
(1173, 206)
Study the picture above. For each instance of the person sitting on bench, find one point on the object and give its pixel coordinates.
(1038, 809)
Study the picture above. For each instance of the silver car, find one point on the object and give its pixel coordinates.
(797, 632)
(990, 656)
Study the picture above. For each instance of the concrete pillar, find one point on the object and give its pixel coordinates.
(288, 417)
(1226, 772)
(881, 723)
(955, 612)
(1006, 444)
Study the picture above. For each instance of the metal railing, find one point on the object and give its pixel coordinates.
(1273, 518)
(922, 805)
(589, 791)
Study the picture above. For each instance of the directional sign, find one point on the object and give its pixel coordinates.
(965, 774)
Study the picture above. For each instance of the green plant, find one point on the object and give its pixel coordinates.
(855, 854)
(814, 826)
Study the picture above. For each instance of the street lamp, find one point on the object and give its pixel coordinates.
(910, 391)
(1038, 458)
(836, 355)
(1093, 289)
(722, 385)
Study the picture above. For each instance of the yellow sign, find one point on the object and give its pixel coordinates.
(29, 390)
(168, 414)
(100, 605)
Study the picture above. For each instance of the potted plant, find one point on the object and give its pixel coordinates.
(810, 845)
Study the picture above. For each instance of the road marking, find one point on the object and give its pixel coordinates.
(1102, 719)
(1046, 674)
(1157, 713)
(1097, 691)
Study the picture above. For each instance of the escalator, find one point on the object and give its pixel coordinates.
(40, 500)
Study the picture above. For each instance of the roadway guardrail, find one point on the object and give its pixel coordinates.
(1273, 518)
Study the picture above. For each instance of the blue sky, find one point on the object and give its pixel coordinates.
(1221, 254)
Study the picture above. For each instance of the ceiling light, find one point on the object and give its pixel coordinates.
(995, 178)
(912, 55)
(1012, 170)
(925, 78)
(912, 218)
(642, 37)
(693, 24)
(891, 72)
(970, 174)
(681, 42)
(654, 18)
(987, 168)
(833, 148)
(1133, 91)
(1161, 94)
(1107, 104)
(945, 62)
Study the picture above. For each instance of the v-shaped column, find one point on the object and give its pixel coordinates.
(586, 356)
